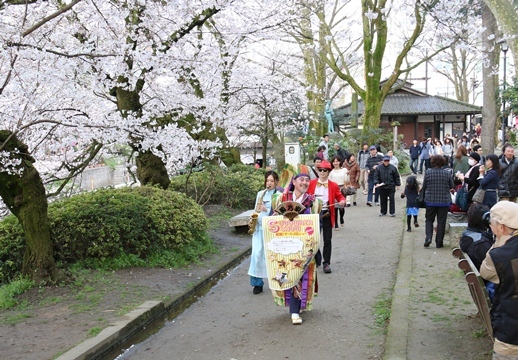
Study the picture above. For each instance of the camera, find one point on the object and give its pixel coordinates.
(486, 219)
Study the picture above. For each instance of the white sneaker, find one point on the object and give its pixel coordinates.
(296, 319)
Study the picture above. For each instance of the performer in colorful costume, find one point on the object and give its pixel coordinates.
(263, 205)
(299, 297)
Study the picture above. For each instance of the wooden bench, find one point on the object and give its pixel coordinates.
(476, 286)
(240, 221)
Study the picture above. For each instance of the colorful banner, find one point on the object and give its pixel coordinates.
(289, 246)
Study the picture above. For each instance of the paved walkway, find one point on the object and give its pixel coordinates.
(373, 259)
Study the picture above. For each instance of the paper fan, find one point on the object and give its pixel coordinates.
(290, 209)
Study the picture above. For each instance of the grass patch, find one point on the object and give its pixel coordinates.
(93, 332)
(479, 334)
(440, 318)
(51, 300)
(15, 319)
(382, 310)
(9, 292)
(435, 297)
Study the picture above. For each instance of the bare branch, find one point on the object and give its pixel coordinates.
(50, 17)
(88, 55)
(73, 171)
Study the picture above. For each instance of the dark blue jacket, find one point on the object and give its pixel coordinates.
(415, 151)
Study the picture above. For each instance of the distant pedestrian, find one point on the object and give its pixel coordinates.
(341, 152)
(386, 182)
(373, 161)
(411, 191)
(325, 144)
(354, 176)
(362, 157)
(426, 152)
(437, 184)
(415, 151)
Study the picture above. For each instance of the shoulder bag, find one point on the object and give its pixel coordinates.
(479, 196)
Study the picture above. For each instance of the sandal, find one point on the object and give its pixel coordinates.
(296, 320)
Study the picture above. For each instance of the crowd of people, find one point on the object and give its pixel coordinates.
(455, 166)
(324, 188)
(459, 178)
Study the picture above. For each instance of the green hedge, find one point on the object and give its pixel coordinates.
(107, 223)
(235, 186)
(12, 246)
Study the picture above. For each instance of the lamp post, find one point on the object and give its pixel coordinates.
(504, 47)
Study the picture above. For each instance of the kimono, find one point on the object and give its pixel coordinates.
(307, 287)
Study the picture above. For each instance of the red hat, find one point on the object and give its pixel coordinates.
(325, 165)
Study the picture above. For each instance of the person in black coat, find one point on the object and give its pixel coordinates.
(372, 163)
(344, 154)
(411, 192)
(386, 182)
(415, 151)
(508, 186)
(476, 240)
(470, 179)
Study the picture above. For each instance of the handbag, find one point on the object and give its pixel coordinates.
(420, 199)
(348, 190)
(479, 196)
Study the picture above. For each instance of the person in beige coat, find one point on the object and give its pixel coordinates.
(499, 267)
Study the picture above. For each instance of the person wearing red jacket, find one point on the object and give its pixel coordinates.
(329, 192)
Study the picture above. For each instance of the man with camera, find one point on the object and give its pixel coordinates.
(501, 268)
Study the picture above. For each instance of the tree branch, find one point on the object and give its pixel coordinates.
(50, 17)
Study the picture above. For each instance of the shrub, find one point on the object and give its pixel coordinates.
(104, 224)
(12, 247)
(235, 186)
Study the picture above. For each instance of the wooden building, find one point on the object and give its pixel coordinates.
(419, 114)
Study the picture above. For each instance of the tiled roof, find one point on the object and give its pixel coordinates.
(407, 104)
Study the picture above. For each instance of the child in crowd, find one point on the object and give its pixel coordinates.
(411, 191)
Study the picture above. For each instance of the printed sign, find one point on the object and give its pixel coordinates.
(289, 245)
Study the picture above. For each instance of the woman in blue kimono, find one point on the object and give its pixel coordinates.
(263, 205)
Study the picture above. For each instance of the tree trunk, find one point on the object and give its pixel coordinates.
(372, 114)
(151, 170)
(25, 196)
(278, 150)
(314, 71)
(507, 18)
(489, 83)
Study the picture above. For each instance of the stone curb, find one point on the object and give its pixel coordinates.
(397, 333)
(136, 320)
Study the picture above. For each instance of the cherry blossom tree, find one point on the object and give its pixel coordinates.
(78, 76)
(273, 104)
